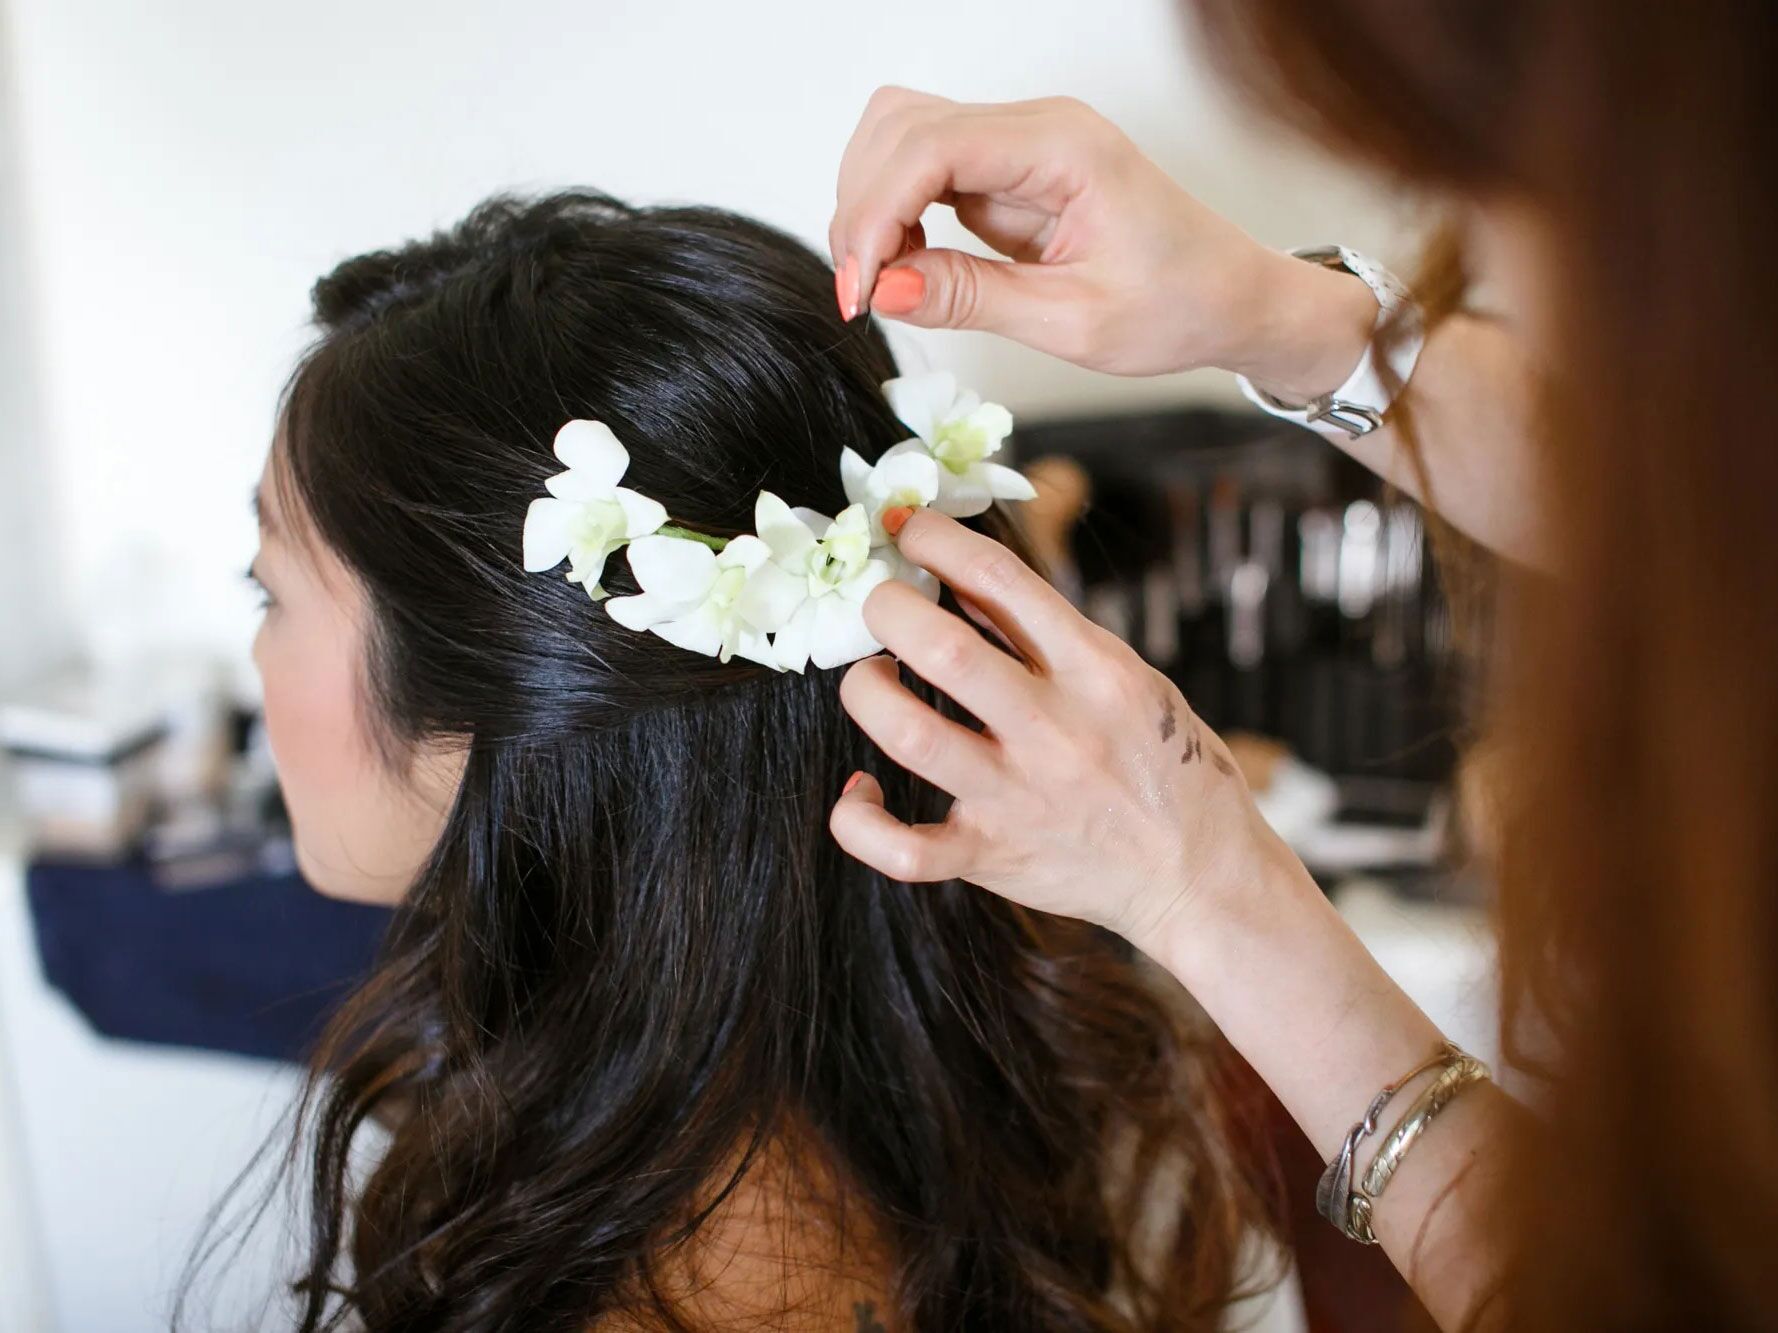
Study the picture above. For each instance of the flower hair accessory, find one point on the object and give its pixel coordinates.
(792, 591)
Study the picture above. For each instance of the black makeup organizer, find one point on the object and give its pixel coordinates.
(1284, 589)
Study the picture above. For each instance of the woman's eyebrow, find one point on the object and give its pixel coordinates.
(262, 512)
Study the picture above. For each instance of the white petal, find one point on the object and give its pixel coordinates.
(1006, 484)
(642, 611)
(698, 632)
(673, 567)
(755, 647)
(787, 535)
(590, 448)
(963, 496)
(857, 588)
(549, 531)
(993, 421)
(915, 446)
(904, 476)
(579, 487)
(854, 473)
(641, 514)
(771, 597)
(586, 562)
(813, 519)
(852, 521)
(906, 571)
(922, 401)
(840, 635)
(747, 553)
(791, 644)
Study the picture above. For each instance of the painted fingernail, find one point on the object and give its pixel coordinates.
(845, 288)
(852, 782)
(898, 291)
(894, 520)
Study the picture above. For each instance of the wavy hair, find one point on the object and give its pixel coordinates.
(635, 966)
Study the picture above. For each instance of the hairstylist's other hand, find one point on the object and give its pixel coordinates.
(1109, 264)
(1094, 791)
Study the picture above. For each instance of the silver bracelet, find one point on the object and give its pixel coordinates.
(1334, 1195)
(1451, 1080)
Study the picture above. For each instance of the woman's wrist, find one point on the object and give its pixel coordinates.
(1206, 890)
(1262, 890)
(1296, 993)
(1279, 971)
(1310, 326)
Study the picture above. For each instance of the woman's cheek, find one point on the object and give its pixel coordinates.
(324, 770)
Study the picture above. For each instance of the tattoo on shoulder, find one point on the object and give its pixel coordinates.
(1169, 720)
(865, 1312)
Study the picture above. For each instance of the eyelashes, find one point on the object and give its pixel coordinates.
(266, 601)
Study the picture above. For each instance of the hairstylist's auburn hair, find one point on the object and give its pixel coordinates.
(1636, 706)
(636, 965)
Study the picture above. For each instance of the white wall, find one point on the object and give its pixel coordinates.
(173, 176)
(33, 630)
(190, 166)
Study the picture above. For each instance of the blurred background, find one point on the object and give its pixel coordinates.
(174, 176)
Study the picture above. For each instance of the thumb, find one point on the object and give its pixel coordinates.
(948, 289)
(862, 787)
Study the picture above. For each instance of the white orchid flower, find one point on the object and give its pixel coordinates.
(587, 515)
(962, 433)
(794, 593)
(696, 598)
(906, 474)
(836, 567)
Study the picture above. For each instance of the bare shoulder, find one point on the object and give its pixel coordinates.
(784, 1251)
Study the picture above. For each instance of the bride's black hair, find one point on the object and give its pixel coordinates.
(635, 957)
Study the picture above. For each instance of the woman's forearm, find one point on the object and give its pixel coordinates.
(1306, 1005)
(1472, 398)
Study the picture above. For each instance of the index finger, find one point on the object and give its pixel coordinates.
(922, 151)
(1021, 604)
(885, 102)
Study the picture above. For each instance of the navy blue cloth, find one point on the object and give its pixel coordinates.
(253, 967)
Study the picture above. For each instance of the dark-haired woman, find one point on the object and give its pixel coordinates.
(1607, 169)
(654, 1052)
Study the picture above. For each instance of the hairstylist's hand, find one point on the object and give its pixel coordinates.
(1112, 265)
(1094, 792)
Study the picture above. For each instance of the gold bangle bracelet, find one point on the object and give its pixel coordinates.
(1334, 1192)
(1453, 1079)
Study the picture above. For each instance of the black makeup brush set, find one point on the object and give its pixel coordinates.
(1277, 582)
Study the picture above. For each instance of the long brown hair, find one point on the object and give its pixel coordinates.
(1636, 702)
(636, 974)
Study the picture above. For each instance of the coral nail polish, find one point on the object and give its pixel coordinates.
(894, 520)
(845, 288)
(851, 782)
(898, 291)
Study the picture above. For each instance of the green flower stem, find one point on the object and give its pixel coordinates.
(672, 530)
